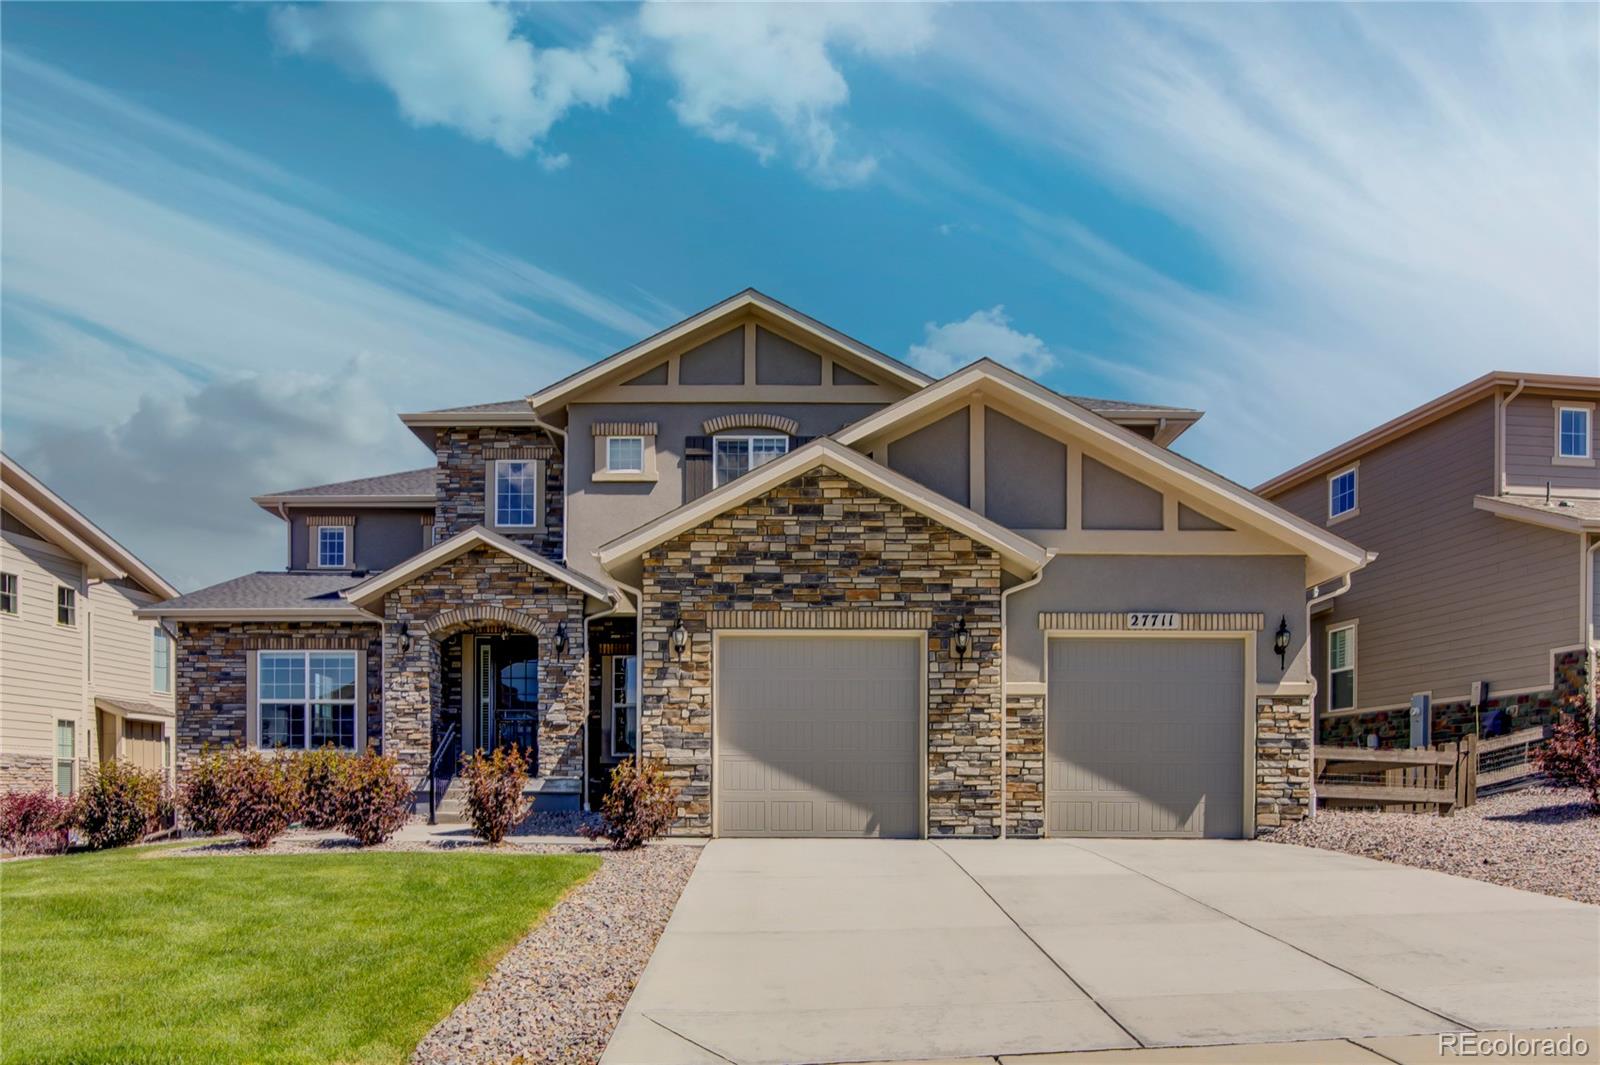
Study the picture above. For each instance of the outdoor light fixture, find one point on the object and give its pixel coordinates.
(680, 640)
(403, 639)
(963, 640)
(561, 639)
(1280, 641)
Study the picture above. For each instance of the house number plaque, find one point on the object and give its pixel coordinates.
(1155, 620)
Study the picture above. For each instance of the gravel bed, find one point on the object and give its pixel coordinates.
(1537, 839)
(556, 996)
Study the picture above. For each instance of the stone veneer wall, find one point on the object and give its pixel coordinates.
(1025, 766)
(27, 772)
(212, 666)
(821, 540)
(1283, 761)
(485, 577)
(461, 489)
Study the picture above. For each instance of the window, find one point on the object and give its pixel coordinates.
(1572, 432)
(66, 756)
(516, 494)
(625, 454)
(331, 542)
(624, 723)
(306, 699)
(8, 593)
(160, 661)
(1342, 668)
(1342, 493)
(738, 455)
(66, 606)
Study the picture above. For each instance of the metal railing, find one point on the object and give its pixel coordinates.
(443, 752)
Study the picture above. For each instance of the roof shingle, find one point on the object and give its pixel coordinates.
(269, 591)
(405, 483)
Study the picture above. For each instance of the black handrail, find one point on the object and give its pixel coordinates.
(440, 754)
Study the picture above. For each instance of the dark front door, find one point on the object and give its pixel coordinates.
(516, 694)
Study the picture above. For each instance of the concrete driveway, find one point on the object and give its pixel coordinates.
(841, 950)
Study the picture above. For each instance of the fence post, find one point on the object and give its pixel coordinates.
(1467, 772)
(1452, 778)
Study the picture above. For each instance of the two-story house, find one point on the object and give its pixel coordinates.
(831, 595)
(82, 679)
(1479, 613)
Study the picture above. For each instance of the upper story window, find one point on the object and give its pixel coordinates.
(624, 451)
(516, 493)
(625, 454)
(66, 606)
(1342, 667)
(1342, 493)
(332, 546)
(66, 756)
(8, 593)
(306, 699)
(160, 661)
(1572, 432)
(735, 456)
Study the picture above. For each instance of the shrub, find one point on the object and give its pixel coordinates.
(202, 795)
(35, 822)
(374, 798)
(639, 805)
(1571, 757)
(262, 796)
(494, 791)
(321, 786)
(120, 804)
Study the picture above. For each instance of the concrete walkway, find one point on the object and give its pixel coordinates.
(790, 951)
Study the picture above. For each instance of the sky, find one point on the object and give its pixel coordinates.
(236, 240)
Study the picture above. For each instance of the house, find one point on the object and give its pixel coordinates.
(830, 595)
(1479, 614)
(83, 679)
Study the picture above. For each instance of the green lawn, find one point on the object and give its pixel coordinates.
(127, 958)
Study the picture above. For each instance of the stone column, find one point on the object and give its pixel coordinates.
(1283, 761)
(1025, 753)
(411, 689)
(563, 698)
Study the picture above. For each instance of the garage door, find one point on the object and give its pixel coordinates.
(1145, 737)
(818, 736)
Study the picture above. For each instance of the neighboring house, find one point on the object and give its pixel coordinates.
(830, 595)
(1479, 614)
(82, 679)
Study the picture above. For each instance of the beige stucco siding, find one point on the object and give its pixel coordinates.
(1530, 445)
(41, 663)
(122, 663)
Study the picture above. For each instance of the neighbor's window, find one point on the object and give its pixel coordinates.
(516, 493)
(625, 454)
(331, 543)
(624, 709)
(306, 699)
(1342, 668)
(160, 661)
(738, 455)
(8, 593)
(1342, 493)
(1572, 432)
(66, 756)
(66, 606)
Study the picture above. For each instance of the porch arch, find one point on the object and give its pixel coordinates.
(450, 622)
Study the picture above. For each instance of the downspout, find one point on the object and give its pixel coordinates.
(1317, 600)
(562, 433)
(1589, 632)
(1500, 436)
(1005, 656)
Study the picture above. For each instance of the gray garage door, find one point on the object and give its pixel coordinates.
(1145, 737)
(818, 736)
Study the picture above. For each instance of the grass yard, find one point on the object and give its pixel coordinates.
(126, 957)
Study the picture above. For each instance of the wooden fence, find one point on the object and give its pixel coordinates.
(1413, 779)
(1508, 759)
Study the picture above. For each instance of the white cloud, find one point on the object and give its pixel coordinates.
(462, 65)
(767, 76)
(982, 334)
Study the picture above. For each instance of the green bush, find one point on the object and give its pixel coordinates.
(494, 791)
(374, 798)
(639, 805)
(201, 795)
(120, 804)
(261, 796)
(321, 786)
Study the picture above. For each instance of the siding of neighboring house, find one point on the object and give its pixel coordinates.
(121, 647)
(1530, 441)
(1456, 594)
(41, 663)
(380, 537)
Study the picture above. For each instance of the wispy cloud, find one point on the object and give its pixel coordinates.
(982, 334)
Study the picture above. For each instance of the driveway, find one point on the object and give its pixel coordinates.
(842, 950)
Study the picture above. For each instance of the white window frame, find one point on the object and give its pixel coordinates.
(160, 646)
(10, 593)
(611, 464)
(630, 705)
(345, 561)
(67, 602)
(308, 700)
(494, 494)
(1355, 700)
(69, 761)
(646, 471)
(748, 439)
(1586, 458)
(1355, 493)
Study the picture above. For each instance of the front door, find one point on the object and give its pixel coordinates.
(512, 669)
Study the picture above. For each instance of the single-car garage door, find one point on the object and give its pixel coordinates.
(1145, 737)
(818, 735)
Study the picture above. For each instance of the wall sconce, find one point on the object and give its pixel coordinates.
(405, 642)
(1280, 641)
(561, 640)
(680, 641)
(962, 641)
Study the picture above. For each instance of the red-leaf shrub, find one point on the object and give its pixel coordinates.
(374, 798)
(262, 796)
(120, 803)
(321, 787)
(1571, 756)
(639, 806)
(35, 822)
(202, 795)
(494, 791)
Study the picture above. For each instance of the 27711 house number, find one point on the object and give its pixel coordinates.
(1158, 620)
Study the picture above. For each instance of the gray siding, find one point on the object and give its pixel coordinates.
(1024, 475)
(382, 538)
(1530, 442)
(937, 455)
(719, 361)
(1191, 520)
(1456, 594)
(1113, 500)
(780, 361)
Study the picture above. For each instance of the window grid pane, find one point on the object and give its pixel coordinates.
(66, 740)
(733, 459)
(66, 606)
(160, 661)
(1339, 649)
(516, 498)
(8, 593)
(283, 725)
(306, 699)
(624, 717)
(625, 454)
(330, 545)
(333, 723)
(1342, 496)
(1574, 434)
(763, 449)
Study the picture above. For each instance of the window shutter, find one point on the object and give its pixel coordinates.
(696, 467)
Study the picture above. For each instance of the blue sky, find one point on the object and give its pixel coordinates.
(237, 239)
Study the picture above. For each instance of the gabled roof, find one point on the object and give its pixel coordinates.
(1414, 419)
(374, 588)
(408, 488)
(1331, 555)
(266, 596)
(1018, 554)
(640, 353)
(51, 516)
